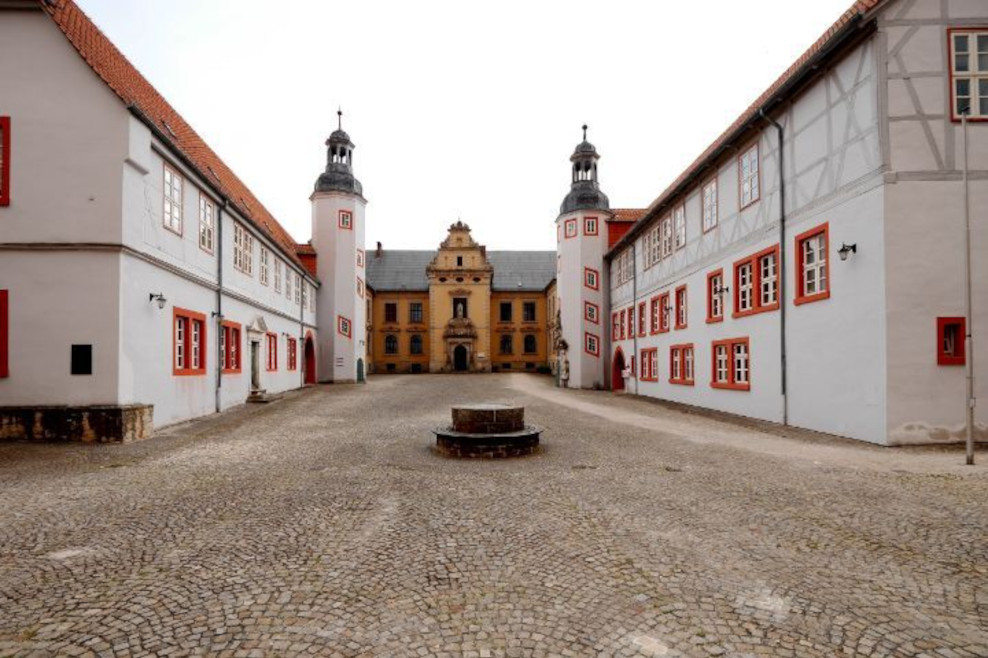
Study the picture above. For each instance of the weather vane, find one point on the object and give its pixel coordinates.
(339, 118)
(584, 132)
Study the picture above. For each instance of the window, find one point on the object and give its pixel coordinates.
(391, 311)
(346, 220)
(292, 354)
(756, 283)
(4, 333)
(709, 200)
(506, 345)
(715, 296)
(243, 250)
(172, 210)
(189, 343)
(528, 312)
(642, 319)
(649, 368)
(415, 344)
(681, 364)
(570, 230)
(288, 282)
(591, 312)
(343, 326)
(951, 336)
(263, 270)
(812, 281)
(505, 312)
(631, 322)
(590, 226)
(615, 326)
(591, 344)
(681, 311)
(360, 287)
(272, 345)
(415, 312)
(651, 246)
(360, 258)
(591, 278)
(4, 161)
(731, 364)
(459, 261)
(298, 289)
(277, 275)
(666, 231)
(679, 225)
(969, 73)
(748, 185)
(530, 345)
(665, 312)
(207, 216)
(391, 344)
(230, 347)
(624, 267)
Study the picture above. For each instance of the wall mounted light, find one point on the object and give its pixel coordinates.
(157, 297)
(846, 249)
(721, 290)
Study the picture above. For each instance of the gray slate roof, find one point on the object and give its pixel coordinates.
(405, 270)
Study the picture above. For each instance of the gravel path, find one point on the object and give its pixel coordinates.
(324, 525)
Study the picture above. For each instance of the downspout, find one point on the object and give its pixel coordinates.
(219, 304)
(301, 332)
(635, 362)
(782, 265)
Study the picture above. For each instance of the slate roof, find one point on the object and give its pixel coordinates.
(404, 270)
(144, 100)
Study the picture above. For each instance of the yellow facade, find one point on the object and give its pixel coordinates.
(399, 334)
(519, 336)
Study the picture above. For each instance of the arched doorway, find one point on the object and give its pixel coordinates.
(460, 363)
(310, 360)
(617, 375)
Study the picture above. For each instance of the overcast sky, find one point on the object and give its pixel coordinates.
(460, 109)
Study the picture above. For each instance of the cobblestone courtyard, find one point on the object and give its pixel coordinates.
(322, 524)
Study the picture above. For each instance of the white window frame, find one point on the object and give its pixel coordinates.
(722, 366)
(277, 275)
(173, 190)
(207, 219)
(288, 283)
(688, 364)
(263, 269)
(749, 183)
(298, 290)
(768, 279)
(243, 250)
(679, 226)
(709, 201)
(716, 283)
(739, 352)
(745, 282)
(814, 264)
(181, 326)
(975, 76)
(666, 225)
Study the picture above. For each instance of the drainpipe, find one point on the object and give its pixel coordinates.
(301, 332)
(636, 362)
(969, 325)
(219, 303)
(782, 264)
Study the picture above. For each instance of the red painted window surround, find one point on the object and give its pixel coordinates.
(711, 318)
(591, 315)
(591, 278)
(591, 226)
(4, 161)
(591, 344)
(189, 318)
(343, 326)
(569, 229)
(756, 283)
(655, 312)
(292, 354)
(624, 315)
(732, 382)
(802, 237)
(272, 345)
(678, 353)
(346, 220)
(615, 326)
(631, 322)
(4, 333)
(642, 319)
(950, 348)
(232, 348)
(681, 308)
(648, 373)
(664, 315)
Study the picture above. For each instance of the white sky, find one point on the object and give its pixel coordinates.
(459, 109)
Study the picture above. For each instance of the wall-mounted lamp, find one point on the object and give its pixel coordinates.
(846, 249)
(721, 290)
(157, 297)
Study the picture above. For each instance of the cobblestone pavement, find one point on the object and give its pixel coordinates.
(324, 525)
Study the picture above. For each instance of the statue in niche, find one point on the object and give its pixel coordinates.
(459, 311)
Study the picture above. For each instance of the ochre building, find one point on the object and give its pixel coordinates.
(460, 308)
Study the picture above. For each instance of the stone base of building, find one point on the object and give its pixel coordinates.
(87, 424)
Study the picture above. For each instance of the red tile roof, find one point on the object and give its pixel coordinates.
(134, 90)
(857, 10)
(627, 214)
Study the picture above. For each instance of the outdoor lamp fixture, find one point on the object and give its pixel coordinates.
(720, 290)
(846, 249)
(158, 297)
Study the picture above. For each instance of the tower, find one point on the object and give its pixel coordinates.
(338, 207)
(581, 242)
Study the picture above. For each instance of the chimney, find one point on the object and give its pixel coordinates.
(380, 250)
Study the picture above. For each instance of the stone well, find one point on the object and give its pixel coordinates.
(491, 431)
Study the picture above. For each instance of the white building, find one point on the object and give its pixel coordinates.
(139, 277)
(846, 316)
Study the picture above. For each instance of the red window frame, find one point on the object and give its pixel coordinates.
(360, 287)
(664, 320)
(231, 358)
(945, 358)
(4, 333)
(756, 283)
(596, 278)
(648, 373)
(642, 319)
(654, 314)
(586, 312)
(624, 324)
(682, 307)
(631, 321)
(587, 336)
(677, 353)
(272, 351)
(190, 317)
(292, 354)
(711, 318)
(615, 326)
(360, 257)
(4, 161)
(731, 383)
(567, 226)
(586, 225)
(800, 239)
(344, 326)
(349, 215)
